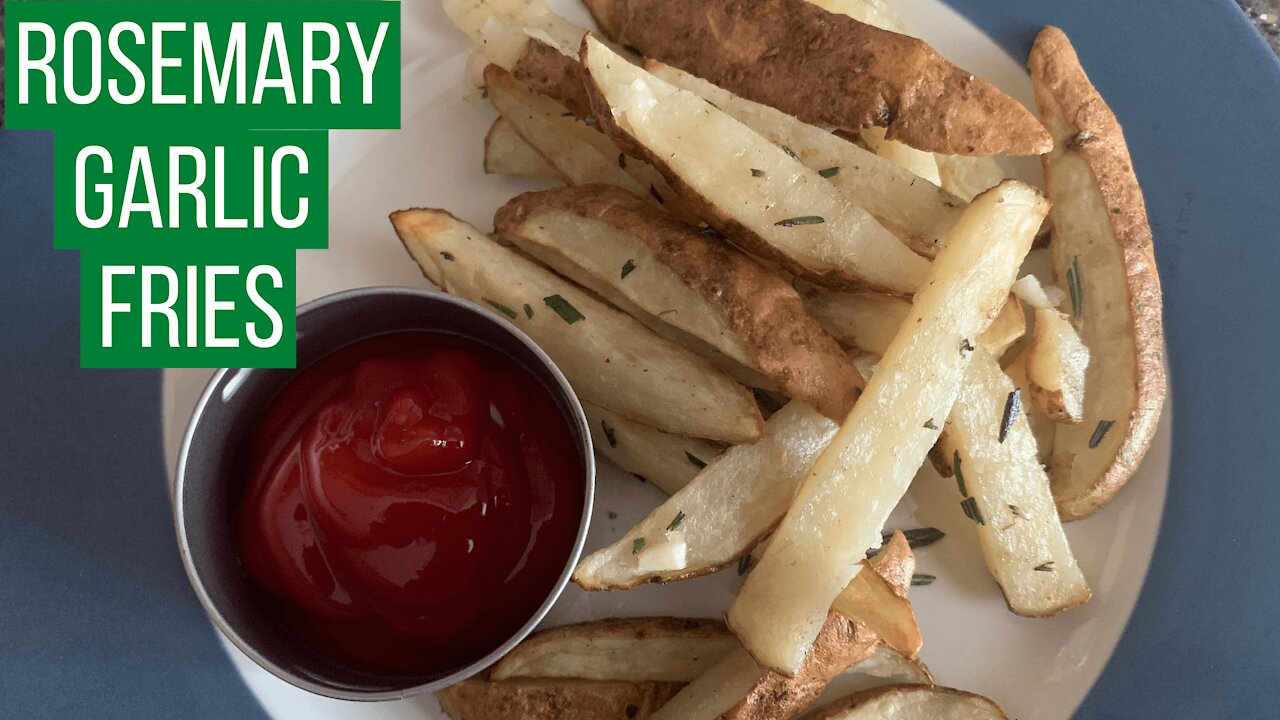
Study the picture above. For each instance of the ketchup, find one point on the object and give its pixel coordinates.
(412, 500)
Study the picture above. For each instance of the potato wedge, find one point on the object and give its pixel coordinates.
(829, 70)
(1102, 252)
(698, 284)
(911, 702)
(628, 649)
(610, 358)
(717, 690)
(479, 699)
(506, 153)
(1057, 364)
(744, 185)
(887, 663)
(1007, 493)
(868, 321)
(917, 162)
(919, 213)
(842, 506)
(723, 512)
(965, 177)
(878, 599)
(668, 461)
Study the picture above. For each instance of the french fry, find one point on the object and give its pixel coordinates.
(667, 272)
(917, 162)
(1102, 251)
(627, 649)
(1042, 428)
(966, 177)
(506, 153)
(878, 599)
(610, 358)
(668, 461)
(911, 702)
(919, 213)
(744, 185)
(1005, 492)
(887, 663)
(863, 474)
(724, 511)
(1056, 366)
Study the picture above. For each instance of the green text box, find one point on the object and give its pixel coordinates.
(84, 218)
(187, 343)
(85, 108)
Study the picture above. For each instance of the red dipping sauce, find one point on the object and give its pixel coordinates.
(413, 499)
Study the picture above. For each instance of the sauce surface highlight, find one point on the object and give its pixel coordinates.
(413, 497)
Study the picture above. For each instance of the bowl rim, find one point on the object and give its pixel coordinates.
(578, 421)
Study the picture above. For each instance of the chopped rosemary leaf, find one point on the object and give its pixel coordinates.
(613, 515)
(528, 311)
(922, 579)
(656, 195)
(627, 267)
(757, 173)
(1100, 432)
(1017, 511)
(802, 220)
(697, 461)
(1075, 288)
(971, 511)
(1046, 567)
(447, 256)
(622, 161)
(965, 346)
(609, 434)
(766, 402)
(590, 120)
(1012, 405)
(955, 464)
(744, 564)
(640, 477)
(916, 538)
(789, 151)
(637, 545)
(829, 172)
(564, 309)
(501, 308)
(675, 522)
(930, 425)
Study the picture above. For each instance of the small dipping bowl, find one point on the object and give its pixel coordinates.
(213, 473)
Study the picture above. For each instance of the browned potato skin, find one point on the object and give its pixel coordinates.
(790, 346)
(479, 699)
(849, 702)
(828, 69)
(554, 74)
(1059, 79)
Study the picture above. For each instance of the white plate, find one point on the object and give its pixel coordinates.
(1035, 668)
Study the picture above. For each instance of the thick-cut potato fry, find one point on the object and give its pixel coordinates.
(1102, 252)
(668, 461)
(506, 153)
(723, 512)
(628, 649)
(966, 177)
(887, 663)
(868, 321)
(737, 689)
(1056, 367)
(828, 69)
(744, 185)
(1007, 490)
(911, 702)
(917, 162)
(878, 599)
(919, 213)
(610, 358)
(479, 699)
(696, 283)
(842, 506)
